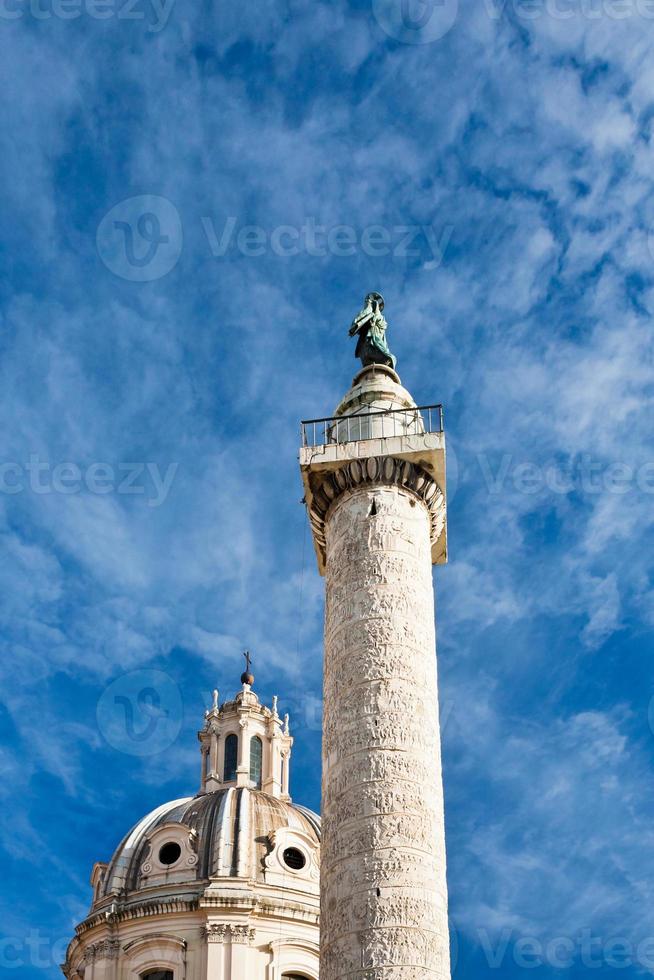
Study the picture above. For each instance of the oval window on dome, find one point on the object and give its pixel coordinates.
(170, 853)
(294, 858)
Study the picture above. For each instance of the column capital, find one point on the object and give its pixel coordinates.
(105, 949)
(223, 932)
(326, 486)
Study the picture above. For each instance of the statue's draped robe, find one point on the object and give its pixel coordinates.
(372, 346)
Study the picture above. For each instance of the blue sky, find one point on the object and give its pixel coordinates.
(175, 296)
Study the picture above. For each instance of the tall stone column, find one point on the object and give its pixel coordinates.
(377, 509)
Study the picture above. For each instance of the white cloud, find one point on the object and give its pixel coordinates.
(533, 332)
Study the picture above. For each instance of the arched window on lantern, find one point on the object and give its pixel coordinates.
(231, 758)
(158, 975)
(256, 759)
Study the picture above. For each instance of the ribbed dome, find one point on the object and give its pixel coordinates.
(228, 834)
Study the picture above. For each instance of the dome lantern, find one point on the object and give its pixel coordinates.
(245, 744)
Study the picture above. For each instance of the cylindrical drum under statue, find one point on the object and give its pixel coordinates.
(377, 510)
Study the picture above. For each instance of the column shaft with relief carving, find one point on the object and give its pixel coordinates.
(384, 908)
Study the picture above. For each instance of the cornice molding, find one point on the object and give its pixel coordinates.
(139, 910)
(328, 487)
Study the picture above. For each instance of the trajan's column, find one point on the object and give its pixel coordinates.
(374, 479)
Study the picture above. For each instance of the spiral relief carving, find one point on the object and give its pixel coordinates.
(383, 883)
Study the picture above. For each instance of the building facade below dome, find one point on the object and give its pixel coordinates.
(223, 885)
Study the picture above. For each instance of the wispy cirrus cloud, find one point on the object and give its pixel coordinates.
(530, 139)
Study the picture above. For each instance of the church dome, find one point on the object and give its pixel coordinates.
(221, 884)
(225, 833)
